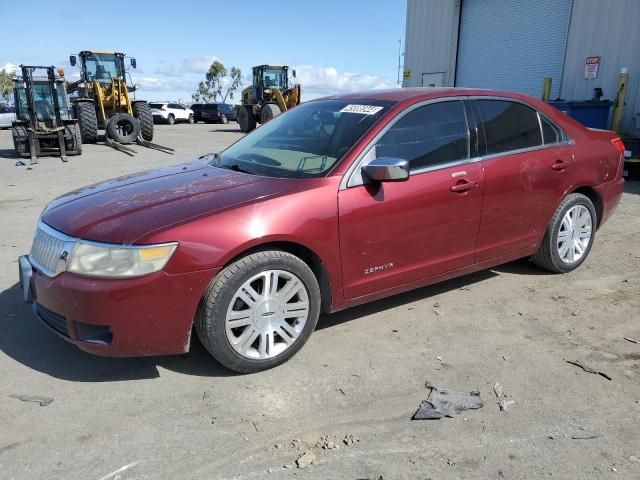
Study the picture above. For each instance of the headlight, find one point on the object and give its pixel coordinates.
(117, 261)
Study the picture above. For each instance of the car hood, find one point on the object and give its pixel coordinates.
(124, 209)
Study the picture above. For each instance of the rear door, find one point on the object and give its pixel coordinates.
(525, 176)
(393, 234)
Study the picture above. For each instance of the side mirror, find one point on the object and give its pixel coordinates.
(293, 72)
(133, 63)
(387, 170)
(72, 60)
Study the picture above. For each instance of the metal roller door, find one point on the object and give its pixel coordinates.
(512, 44)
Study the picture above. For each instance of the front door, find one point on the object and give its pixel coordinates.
(435, 79)
(393, 234)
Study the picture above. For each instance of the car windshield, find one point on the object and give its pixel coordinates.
(274, 77)
(305, 141)
(43, 99)
(102, 67)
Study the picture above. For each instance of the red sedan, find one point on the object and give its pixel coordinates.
(338, 202)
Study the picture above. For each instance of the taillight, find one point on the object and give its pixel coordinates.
(617, 142)
(219, 115)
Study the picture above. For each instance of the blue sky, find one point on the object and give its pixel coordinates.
(335, 46)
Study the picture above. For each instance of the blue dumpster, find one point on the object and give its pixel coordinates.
(590, 113)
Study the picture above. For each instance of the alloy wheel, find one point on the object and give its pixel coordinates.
(574, 234)
(267, 314)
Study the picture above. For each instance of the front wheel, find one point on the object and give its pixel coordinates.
(569, 236)
(190, 119)
(171, 119)
(259, 311)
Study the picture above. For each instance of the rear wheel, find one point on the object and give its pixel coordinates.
(87, 121)
(142, 111)
(246, 119)
(21, 141)
(123, 128)
(569, 236)
(171, 119)
(73, 139)
(259, 311)
(269, 111)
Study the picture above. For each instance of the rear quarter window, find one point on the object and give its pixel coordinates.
(550, 133)
(509, 126)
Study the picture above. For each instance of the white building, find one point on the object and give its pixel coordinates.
(515, 44)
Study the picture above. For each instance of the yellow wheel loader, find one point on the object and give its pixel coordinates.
(269, 96)
(104, 101)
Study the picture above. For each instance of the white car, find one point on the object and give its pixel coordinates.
(170, 113)
(7, 115)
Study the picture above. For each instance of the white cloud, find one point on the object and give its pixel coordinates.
(159, 84)
(198, 65)
(329, 80)
(10, 67)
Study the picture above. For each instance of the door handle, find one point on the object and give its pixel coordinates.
(559, 165)
(463, 186)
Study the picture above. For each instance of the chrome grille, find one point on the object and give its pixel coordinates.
(48, 246)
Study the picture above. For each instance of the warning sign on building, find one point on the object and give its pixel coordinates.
(406, 75)
(591, 65)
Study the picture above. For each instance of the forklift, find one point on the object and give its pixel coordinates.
(43, 123)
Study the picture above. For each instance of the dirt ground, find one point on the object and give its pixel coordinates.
(357, 382)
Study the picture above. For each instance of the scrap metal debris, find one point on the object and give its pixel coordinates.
(632, 340)
(588, 369)
(445, 403)
(43, 401)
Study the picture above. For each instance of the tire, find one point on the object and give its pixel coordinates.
(87, 121)
(123, 128)
(269, 111)
(171, 119)
(246, 119)
(190, 119)
(224, 119)
(142, 111)
(550, 253)
(211, 321)
(21, 141)
(73, 139)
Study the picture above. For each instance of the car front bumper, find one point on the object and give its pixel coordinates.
(149, 315)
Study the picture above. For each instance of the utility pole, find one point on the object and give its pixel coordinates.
(399, 59)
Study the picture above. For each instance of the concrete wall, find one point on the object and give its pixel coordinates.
(431, 39)
(610, 30)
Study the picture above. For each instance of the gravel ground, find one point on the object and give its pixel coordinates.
(343, 405)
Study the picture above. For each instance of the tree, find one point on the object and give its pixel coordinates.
(218, 80)
(6, 85)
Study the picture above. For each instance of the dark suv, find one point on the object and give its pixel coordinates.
(213, 112)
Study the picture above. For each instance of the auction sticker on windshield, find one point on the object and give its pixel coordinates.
(362, 109)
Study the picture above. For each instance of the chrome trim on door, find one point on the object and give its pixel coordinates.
(352, 177)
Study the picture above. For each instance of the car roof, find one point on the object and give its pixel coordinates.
(423, 93)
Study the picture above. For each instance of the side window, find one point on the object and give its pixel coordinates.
(550, 133)
(509, 125)
(429, 135)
